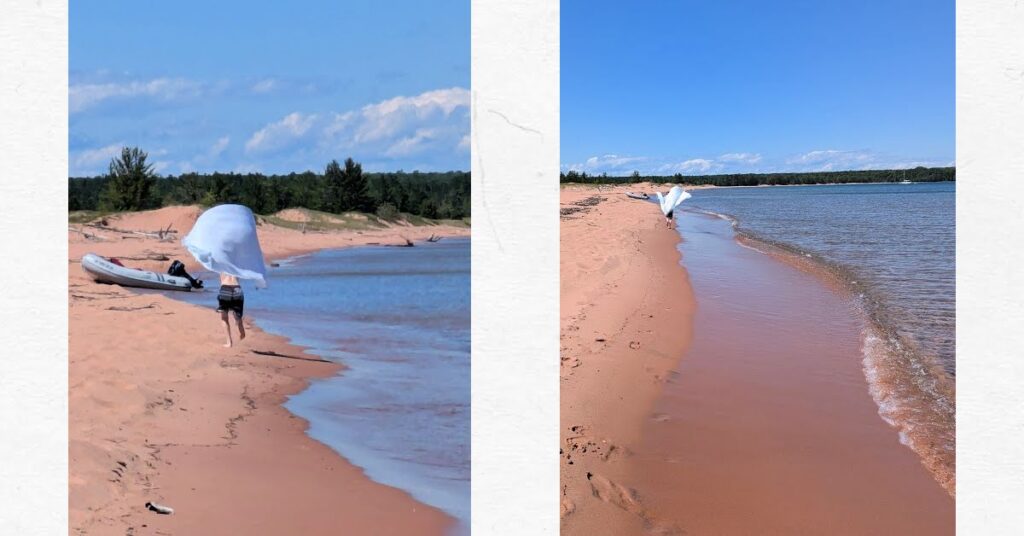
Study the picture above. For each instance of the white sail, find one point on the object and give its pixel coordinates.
(675, 196)
(224, 240)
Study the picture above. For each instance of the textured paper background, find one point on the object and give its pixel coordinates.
(990, 258)
(515, 267)
(515, 286)
(33, 271)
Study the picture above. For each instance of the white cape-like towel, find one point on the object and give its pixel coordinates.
(669, 202)
(224, 240)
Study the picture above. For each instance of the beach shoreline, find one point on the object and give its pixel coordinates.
(159, 411)
(776, 360)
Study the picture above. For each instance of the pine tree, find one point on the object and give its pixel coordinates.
(130, 183)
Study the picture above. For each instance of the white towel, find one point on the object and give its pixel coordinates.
(224, 240)
(669, 202)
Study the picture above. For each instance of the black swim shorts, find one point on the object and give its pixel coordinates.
(230, 298)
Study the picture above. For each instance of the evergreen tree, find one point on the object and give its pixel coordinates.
(131, 181)
(355, 194)
(334, 187)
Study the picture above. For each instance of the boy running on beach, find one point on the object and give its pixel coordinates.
(230, 299)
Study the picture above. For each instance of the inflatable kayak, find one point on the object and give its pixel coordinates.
(636, 195)
(104, 271)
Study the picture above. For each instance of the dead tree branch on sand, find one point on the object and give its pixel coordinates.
(89, 236)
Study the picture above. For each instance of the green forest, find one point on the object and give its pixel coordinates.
(918, 174)
(131, 184)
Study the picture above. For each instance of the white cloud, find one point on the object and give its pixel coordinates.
(693, 166)
(745, 162)
(92, 161)
(281, 134)
(843, 160)
(609, 163)
(432, 122)
(86, 95)
(160, 166)
(218, 147)
(833, 160)
(265, 86)
(392, 117)
(742, 158)
(412, 144)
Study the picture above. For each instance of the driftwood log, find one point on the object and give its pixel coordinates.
(160, 234)
(89, 236)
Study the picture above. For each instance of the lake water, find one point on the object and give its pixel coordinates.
(399, 319)
(894, 247)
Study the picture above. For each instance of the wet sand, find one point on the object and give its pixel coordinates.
(762, 425)
(160, 411)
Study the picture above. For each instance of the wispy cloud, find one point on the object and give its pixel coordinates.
(748, 162)
(219, 146)
(832, 160)
(281, 134)
(611, 163)
(88, 90)
(86, 95)
(86, 162)
(840, 160)
(614, 164)
(693, 165)
(265, 86)
(95, 161)
(745, 158)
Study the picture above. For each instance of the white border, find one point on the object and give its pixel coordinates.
(990, 257)
(33, 276)
(515, 281)
(515, 267)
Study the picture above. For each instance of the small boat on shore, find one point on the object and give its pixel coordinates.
(104, 271)
(636, 195)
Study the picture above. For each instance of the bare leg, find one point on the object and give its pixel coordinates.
(227, 327)
(241, 327)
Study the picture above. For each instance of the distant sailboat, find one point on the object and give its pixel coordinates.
(905, 181)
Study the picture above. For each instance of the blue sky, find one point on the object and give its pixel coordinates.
(743, 86)
(270, 87)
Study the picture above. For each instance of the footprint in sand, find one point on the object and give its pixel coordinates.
(625, 498)
(567, 507)
(581, 444)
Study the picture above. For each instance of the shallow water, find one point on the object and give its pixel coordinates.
(399, 319)
(893, 246)
(766, 426)
(901, 239)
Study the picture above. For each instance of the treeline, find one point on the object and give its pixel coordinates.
(131, 184)
(918, 174)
